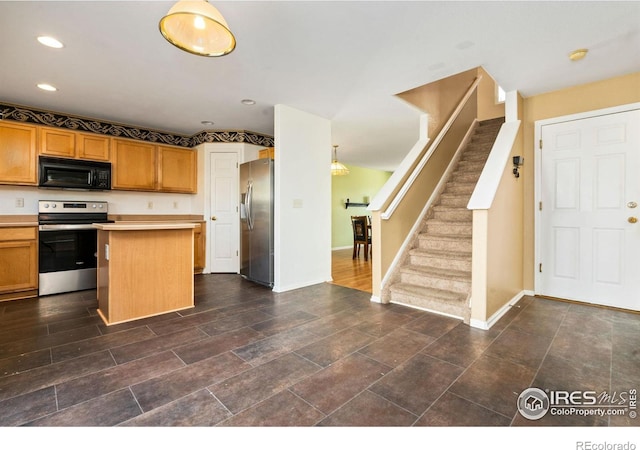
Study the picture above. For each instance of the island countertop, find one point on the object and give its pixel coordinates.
(142, 226)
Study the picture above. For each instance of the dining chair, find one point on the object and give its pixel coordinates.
(361, 236)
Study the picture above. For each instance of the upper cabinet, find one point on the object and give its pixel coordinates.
(93, 146)
(18, 154)
(141, 166)
(134, 165)
(177, 170)
(266, 153)
(73, 144)
(57, 142)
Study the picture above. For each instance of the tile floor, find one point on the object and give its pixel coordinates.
(319, 356)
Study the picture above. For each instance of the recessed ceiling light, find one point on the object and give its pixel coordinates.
(206, 122)
(577, 55)
(47, 87)
(50, 42)
(248, 101)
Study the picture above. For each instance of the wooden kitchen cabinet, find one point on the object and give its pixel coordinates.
(266, 153)
(18, 262)
(199, 242)
(142, 166)
(177, 170)
(57, 142)
(144, 270)
(18, 153)
(134, 165)
(94, 147)
(63, 143)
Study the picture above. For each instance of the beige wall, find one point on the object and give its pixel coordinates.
(505, 238)
(593, 96)
(440, 98)
(488, 107)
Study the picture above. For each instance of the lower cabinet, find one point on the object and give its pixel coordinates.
(199, 248)
(18, 262)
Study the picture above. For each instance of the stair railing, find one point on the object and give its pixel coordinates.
(415, 182)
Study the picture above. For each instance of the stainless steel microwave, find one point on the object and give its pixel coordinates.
(64, 173)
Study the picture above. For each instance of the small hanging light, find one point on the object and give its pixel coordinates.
(336, 167)
(197, 27)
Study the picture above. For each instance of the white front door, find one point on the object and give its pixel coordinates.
(590, 187)
(224, 230)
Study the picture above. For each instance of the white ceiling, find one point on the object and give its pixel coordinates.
(340, 60)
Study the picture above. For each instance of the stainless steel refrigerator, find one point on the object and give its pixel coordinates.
(256, 221)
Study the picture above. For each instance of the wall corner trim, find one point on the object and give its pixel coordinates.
(485, 325)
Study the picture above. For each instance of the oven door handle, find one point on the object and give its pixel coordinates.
(59, 227)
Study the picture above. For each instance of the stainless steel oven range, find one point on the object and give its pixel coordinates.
(68, 244)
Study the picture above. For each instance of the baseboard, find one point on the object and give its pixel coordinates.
(342, 248)
(304, 284)
(485, 325)
(433, 311)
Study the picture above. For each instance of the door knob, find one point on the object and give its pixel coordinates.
(214, 218)
(632, 219)
(632, 205)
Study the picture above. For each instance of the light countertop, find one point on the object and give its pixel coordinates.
(139, 225)
(18, 221)
(18, 224)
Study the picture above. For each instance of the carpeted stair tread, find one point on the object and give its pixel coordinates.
(426, 292)
(435, 300)
(450, 187)
(433, 272)
(440, 254)
(444, 237)
(445, 222)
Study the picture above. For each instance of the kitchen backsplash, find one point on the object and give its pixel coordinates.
(23, 200)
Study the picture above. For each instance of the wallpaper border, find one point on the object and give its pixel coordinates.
(54, 119)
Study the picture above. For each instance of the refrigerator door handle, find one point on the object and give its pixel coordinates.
(249, 201)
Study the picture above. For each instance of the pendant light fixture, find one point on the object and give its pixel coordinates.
(336, 167)
(197, 27)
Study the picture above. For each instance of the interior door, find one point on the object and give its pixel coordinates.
(224, 241)
(589, 238)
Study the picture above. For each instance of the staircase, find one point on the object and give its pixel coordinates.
(436, 271)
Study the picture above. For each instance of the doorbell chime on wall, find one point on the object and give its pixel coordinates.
(517, 162)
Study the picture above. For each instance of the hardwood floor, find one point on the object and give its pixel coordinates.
(351, 273)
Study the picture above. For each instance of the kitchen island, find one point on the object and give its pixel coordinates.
(144, 269)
